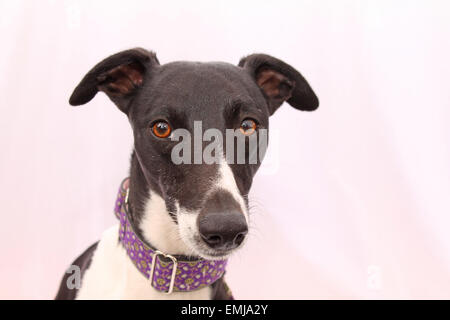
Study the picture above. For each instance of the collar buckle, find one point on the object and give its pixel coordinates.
(174, 270)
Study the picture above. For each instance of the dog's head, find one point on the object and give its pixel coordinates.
(181, 111)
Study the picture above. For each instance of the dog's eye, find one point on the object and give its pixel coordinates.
(248, 126)
(161, 129)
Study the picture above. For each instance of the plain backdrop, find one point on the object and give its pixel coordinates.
(357, 204)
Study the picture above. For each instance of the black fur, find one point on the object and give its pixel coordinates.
(83, 262)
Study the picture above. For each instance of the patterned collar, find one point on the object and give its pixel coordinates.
(167, 272)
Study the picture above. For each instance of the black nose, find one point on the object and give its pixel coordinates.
(223, 230)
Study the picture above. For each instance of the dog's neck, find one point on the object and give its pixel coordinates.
(149, 215)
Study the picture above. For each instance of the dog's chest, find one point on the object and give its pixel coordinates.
(112, 275)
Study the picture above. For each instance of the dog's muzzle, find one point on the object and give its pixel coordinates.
(167, 273)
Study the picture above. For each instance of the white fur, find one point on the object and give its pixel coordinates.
(112, 275)
(228, 182)
(159, 229)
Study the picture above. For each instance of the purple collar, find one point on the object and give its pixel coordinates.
(167, 272)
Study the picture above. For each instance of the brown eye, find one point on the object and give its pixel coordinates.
(248, 126)
(161, 129)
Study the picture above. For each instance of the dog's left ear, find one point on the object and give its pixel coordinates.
(119, 76)
(280, 82)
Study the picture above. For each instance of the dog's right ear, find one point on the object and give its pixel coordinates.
(280, 82)
(119, 76)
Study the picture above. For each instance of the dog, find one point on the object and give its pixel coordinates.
(178, 223)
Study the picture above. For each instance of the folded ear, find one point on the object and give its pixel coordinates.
(280, 82)
(119, 76)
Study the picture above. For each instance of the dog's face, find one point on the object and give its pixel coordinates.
(194, 105)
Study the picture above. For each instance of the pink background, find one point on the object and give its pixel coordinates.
(358, 204)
